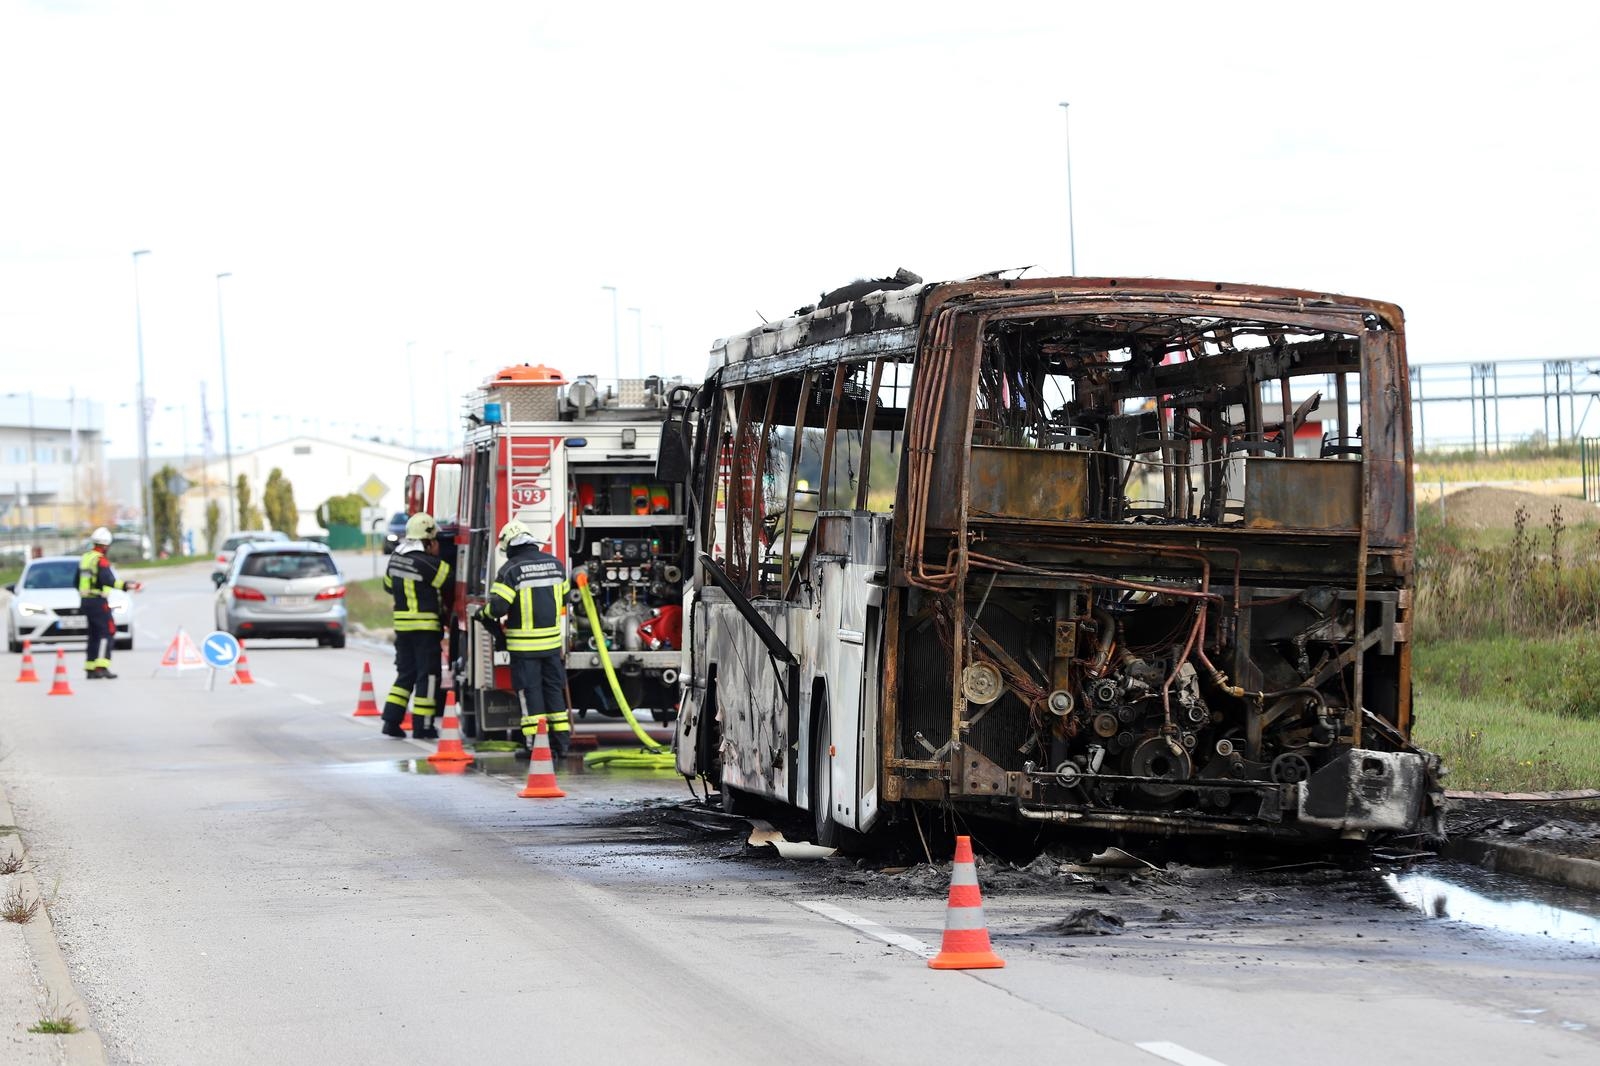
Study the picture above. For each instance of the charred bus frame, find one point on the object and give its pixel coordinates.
(1069, 557)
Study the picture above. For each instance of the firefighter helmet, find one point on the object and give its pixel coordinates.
(101, 536)
(511, 531)
(421, 526)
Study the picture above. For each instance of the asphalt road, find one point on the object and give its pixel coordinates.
(252, 875)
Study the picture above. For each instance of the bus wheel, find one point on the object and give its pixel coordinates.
(827, 830)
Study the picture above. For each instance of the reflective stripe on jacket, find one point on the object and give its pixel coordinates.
(95, 575)
(530, 595)
(421, 586)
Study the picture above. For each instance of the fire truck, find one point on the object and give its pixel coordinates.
(575, 462)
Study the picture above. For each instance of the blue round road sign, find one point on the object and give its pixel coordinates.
(220, 649)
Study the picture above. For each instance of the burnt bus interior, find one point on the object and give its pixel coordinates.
(1135, 596)
(1151, 550)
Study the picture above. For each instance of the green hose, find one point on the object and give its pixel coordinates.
(652, 756)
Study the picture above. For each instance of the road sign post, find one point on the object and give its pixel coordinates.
(220, 650)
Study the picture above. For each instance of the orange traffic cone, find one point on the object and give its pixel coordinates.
(27, 675)
(966, 937)
(450, 749)
(61, 687)
(541, 770)
(406, 723)
(241, 669)
(367, 706)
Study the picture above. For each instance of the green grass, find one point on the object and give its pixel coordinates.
(368, 605)
(160, 564)
(1497, 468)
(9, 574)
(1510, 714)
(62, 1025)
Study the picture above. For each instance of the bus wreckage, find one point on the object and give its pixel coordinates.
(1130, 555)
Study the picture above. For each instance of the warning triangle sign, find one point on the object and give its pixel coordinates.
(182, 653)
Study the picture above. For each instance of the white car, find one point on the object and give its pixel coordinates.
(45, 606)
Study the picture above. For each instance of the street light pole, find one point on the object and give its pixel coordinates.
(144, 432)
(1072, 236)
(638, 335)
(411, 375)
(227, 421)
(616, 343)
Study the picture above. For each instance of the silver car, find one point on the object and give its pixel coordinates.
(45, 606)
(282, 589)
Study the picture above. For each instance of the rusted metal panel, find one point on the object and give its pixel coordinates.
(1029, 483)
(1386, 429)
(1302, 493)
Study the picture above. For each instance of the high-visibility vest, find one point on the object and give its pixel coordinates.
(95, 575)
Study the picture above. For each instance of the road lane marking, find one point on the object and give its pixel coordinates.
(264, 681)
(303, 698)
(1163, 1049)
(869, 927)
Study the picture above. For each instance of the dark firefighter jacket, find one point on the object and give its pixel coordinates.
(422, 588)
(530, 595)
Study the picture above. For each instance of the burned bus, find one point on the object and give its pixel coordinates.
(1123, 554)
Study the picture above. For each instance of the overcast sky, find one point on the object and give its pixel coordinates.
(465, 177)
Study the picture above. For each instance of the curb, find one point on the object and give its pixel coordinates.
(83, 1048)
(1529, 862)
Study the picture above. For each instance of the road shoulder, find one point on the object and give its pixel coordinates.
(34, 980)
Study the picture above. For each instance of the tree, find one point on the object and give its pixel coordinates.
(213, 525)
(249, 514)
(278, 499)
(164, 512)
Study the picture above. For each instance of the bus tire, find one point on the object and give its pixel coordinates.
(827, 831)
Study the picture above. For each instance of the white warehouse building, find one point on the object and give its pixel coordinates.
(315, 467)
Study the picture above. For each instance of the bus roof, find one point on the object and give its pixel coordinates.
(885, 322)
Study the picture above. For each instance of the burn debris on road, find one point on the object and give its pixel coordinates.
(1086, 921)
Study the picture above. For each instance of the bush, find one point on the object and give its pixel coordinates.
(341, 510)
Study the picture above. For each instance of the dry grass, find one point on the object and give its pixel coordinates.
(15, 906)
(10, 864)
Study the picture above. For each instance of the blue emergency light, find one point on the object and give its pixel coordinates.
(491, 414)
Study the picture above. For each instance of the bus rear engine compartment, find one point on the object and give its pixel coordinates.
(1107, 707)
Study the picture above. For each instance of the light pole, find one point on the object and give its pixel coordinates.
(638, 335)
(1072, 236)
(411, 376)
(144, 432)
(227, 421)
(616, 344)
(449, 401)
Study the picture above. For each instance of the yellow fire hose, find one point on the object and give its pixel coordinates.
(652, 756)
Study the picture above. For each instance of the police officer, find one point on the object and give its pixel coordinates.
(422, 587)
(94, 577)
(527, 601)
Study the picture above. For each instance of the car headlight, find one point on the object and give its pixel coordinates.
(32, 610)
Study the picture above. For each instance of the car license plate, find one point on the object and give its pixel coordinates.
(73, 622)
(290, 601)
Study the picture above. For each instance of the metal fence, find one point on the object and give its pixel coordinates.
(1489, 406)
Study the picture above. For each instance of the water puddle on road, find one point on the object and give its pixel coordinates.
(1500, 903)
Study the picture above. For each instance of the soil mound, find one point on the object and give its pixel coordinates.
(1481, 507)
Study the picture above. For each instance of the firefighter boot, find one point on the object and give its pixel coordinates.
(391, 722)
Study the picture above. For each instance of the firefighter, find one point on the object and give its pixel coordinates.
(420, 582)
(527, 602)
(94, 577)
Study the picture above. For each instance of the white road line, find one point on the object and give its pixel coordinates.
(1163, 1049)
(264, 681)
(869, 927)
(303, 698)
